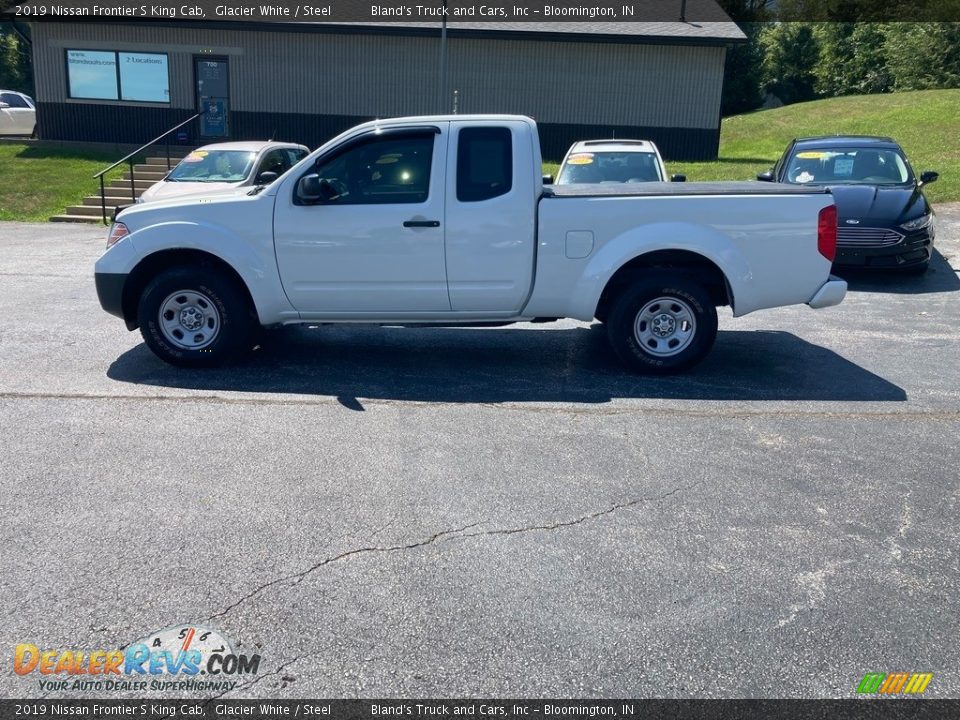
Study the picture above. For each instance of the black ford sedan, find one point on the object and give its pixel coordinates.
(884, 221)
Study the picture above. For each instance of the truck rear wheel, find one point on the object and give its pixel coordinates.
(194, 317)
(662, 323)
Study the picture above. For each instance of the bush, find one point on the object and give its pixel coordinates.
(923, 56)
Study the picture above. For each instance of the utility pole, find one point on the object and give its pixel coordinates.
(443, 60)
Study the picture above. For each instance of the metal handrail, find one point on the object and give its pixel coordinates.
(129, 159)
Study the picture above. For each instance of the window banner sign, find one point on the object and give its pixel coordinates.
(213, 122)
(421, 709)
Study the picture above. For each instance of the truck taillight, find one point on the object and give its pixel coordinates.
(827, 232)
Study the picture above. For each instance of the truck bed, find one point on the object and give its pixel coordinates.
(646, 189)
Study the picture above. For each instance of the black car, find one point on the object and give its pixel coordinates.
(883, 219)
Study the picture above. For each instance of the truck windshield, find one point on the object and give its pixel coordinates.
(848, 166)
(229, 166)
(598, 167)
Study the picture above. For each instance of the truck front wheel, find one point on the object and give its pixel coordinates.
(194, 317)
(662, 323)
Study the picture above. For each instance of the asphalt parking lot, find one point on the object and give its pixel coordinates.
(496, 512)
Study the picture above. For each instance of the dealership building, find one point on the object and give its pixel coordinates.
(129, 81)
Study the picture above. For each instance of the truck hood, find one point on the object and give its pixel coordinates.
(212, 207)
(876, 206)
(168, 189)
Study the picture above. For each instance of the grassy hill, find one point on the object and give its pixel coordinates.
(925, 123)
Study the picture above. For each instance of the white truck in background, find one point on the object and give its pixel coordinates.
(445, 220)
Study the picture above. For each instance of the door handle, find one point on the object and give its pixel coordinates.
(421, 223)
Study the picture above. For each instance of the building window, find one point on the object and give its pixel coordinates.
(484, 163)
(108, 75)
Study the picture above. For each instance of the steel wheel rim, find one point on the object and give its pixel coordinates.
(665, 327)
(189, 320)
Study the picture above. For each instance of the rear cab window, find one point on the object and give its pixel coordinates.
(484, 163)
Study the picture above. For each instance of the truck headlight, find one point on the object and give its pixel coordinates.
(118, 231)
(919, 223)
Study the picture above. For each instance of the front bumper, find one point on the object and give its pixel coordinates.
(830, 293)
(110, 291)
(915, 249)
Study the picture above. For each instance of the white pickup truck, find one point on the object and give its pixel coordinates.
(445, 221)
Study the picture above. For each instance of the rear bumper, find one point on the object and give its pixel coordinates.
(830, 293)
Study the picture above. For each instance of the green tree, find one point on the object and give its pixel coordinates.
(923, 56)
(790, 54)
(741, 73)
(16, 70)
(852, 59)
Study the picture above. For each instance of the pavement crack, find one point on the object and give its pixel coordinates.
(446, 536)
(583, 518)
(297, 578)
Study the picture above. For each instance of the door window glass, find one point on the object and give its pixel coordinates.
(384, 170)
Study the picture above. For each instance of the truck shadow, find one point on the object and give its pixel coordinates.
(519, 364)
(941, 277)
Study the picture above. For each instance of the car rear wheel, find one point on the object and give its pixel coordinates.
(195, 317)
(662, 323)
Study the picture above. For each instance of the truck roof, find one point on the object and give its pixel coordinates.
(425, 119)
(613, 145)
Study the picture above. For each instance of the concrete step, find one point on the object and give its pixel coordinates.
(111, 200)
(145, 175)
(87, 210)
(162, 159)
(124, 185)
(162, 167)
(68, 218)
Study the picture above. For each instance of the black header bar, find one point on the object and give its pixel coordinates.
(689, 15)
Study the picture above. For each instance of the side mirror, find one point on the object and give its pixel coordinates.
(928, 176)
(3, 105)
(548, 179)
(766, 176)
(309, 188)
(678, 178)
(266, 177)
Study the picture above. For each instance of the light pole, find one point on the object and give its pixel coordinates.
(443, 59)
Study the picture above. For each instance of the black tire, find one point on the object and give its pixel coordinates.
(691, 308)
(226, 320)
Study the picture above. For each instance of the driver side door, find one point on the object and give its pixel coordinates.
(374, 245)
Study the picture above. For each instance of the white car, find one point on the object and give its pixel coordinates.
(613, 161)
(18, 114)
(223, 167)
(445, 220)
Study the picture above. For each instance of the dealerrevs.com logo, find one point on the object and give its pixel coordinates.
(183, 658)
